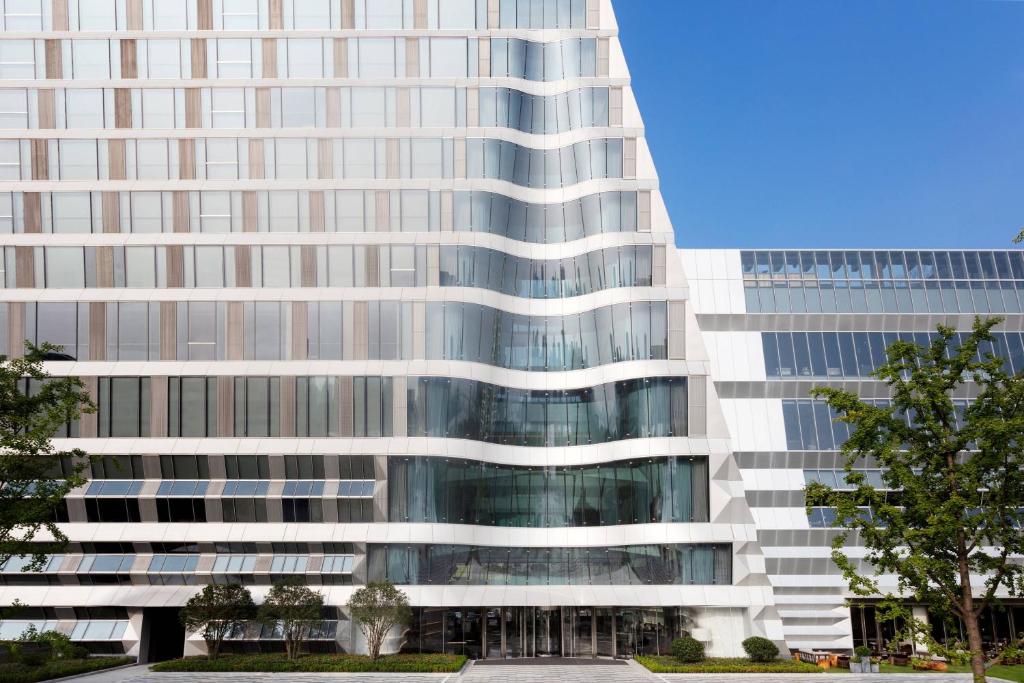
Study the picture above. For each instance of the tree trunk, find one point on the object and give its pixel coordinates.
(374, 644)
(977, 649)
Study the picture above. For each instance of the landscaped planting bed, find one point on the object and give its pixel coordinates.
(723, 665)
(318, 663)
(58, 668)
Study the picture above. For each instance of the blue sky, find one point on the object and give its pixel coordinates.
(814, 123)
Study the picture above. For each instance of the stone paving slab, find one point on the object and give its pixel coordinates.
(528, 671)
(142, 674)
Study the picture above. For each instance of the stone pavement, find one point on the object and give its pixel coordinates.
(527, 671)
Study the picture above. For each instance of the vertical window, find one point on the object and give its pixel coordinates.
(305, 58)
(438, 107)
(90, 59)
(132, 342)
(290, 163)
(234, 58)
(17, 59)
(369, 107)
(192, 412)
(147, 212)
(10, 158)
(13, 108)
(379, 14)
(153, 160)
(72, 212)
(157, 108)
(140, 270)
(123, 407)
(65, 267)
(202, 331)
(376, 57)
(57, 323)
(167, 16)
(311, 14)
(257, 406)
(456, 14)
(78, 160)
(298, 107)
(239, 15)
(222, 159)
(227, 107)
(22, 15)
(83, 108)
(95, 15)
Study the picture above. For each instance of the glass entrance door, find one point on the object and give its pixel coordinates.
(547, 631)
(494, 619)
(579, 631)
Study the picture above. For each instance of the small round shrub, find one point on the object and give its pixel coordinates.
(687, 649)
(760, 649)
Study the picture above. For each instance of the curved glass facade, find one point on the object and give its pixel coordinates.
(466, 409)
(544, 115)
(266, 232)
(631, 565)
(517, 58)
(613, 334)
(451, 491)
(540, 279)
(490, 159)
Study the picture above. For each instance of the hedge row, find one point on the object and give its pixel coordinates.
(671, 665)
(58, 668)
(317, 663)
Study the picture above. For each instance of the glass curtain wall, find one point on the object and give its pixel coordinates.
(450, 491)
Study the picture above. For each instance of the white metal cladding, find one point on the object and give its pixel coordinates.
(806, 584)
(731, 520)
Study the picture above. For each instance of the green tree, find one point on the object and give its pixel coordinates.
(951, 505)
(294, 609)
(217, 610)
(379, 607)
(35, 476)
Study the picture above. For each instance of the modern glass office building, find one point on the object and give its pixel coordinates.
(777, 323)
(386, 289)
(365, 289)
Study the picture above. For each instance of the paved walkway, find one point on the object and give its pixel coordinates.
(531, 671)
(142, 674)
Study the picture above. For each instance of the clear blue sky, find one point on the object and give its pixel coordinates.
(814, 123)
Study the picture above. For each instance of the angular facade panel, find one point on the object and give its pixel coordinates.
(778, 323)
(366, 290)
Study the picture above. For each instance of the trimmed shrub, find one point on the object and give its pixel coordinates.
(58, 668)
(739, 665)
(687, 649)
(760, 649)
(279, 662)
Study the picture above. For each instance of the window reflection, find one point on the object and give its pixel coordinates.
(635, 565)
(469, 332)
(465, 409)
(450, 491)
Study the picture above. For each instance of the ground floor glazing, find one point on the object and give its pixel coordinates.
(511, 632)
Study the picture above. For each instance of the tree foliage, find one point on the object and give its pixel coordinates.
(33, 482)
(379, 607)
(217, 610)
(294, 609)
(948, 519)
